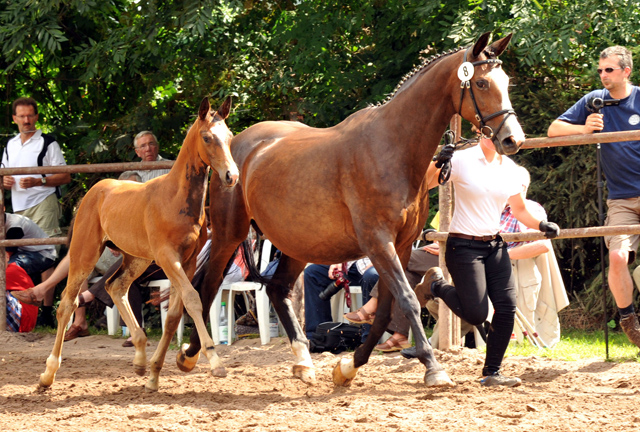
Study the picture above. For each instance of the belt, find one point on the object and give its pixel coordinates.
(485, 238)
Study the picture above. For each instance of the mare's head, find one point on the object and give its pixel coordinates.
(484, 96)
(214, 140)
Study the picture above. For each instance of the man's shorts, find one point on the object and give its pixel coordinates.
(46, 215)
(623, 212)
(31, 262)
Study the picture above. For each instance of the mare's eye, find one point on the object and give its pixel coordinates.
(482, 84)
(207, 139)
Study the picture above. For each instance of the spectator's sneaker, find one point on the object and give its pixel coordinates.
(631, 328)
(500, 380)
(423, 289)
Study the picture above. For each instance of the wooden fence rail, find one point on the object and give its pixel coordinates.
(139, 166)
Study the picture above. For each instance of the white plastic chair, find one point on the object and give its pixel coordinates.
(339, 303)
(113, 316)
(262, 303)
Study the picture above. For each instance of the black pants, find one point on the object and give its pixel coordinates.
(482, 271)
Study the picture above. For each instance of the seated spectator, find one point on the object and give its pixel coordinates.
(21, 317)
(33, 259)
(421, 260)
(540, 289)
(316, 279)
(79, 328)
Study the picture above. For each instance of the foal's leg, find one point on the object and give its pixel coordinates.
(84, 251)
(187, 357)
(278, 291)
(118, 288)
(174, 314)
(68, 305)
(169, 261)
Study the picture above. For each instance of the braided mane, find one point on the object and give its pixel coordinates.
(416, 70)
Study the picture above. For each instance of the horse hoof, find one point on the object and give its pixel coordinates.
(339, 378)
(45, 383)
(305, 373)
(140, 370)
(151, 388)
(184, 363)
(219, 372)
(438, 379)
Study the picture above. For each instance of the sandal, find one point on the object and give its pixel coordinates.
(392, 345)
(360, 316)
(75, 332)
(27, 297)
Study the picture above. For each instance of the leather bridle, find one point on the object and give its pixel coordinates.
(485, 129)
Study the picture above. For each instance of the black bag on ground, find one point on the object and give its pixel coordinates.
(335, 337)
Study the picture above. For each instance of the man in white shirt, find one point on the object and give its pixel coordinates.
(34, 196)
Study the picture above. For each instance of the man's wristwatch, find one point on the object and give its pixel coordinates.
(44, 181)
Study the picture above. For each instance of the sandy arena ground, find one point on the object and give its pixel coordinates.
(97, 390)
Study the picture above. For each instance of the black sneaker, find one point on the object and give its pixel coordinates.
(409, 353)
(45, 318)
(500, 380)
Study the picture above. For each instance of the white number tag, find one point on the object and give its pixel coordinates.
(465, 71)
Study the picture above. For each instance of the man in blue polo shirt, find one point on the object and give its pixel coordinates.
(621, 165)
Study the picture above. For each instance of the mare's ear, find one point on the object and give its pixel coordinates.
(481, 43)
(499, 46)
(225, 108)
(205, 107)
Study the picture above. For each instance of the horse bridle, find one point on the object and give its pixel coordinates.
(485, 129)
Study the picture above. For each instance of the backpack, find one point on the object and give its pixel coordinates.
(335, 337)
(48, 139)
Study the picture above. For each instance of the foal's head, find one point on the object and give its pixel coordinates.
(485, 101)
(215, 138)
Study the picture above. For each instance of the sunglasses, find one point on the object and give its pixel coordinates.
(607, 70)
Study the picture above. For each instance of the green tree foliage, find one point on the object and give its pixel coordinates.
(102, 71)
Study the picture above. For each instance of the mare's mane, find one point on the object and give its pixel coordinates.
(426, 64)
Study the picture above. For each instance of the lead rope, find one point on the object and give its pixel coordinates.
(449, 138)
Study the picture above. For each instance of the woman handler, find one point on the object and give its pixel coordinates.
(476, 256)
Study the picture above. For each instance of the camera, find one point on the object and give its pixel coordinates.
(595, 104)
(340, 282)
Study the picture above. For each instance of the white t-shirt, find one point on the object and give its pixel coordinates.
(26, 155)
(31, 231)
(481, 191)
(151, 174)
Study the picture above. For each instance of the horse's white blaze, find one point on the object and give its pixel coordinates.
(501, 80)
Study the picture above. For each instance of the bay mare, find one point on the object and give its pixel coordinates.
(356, 189)
(160, 220)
